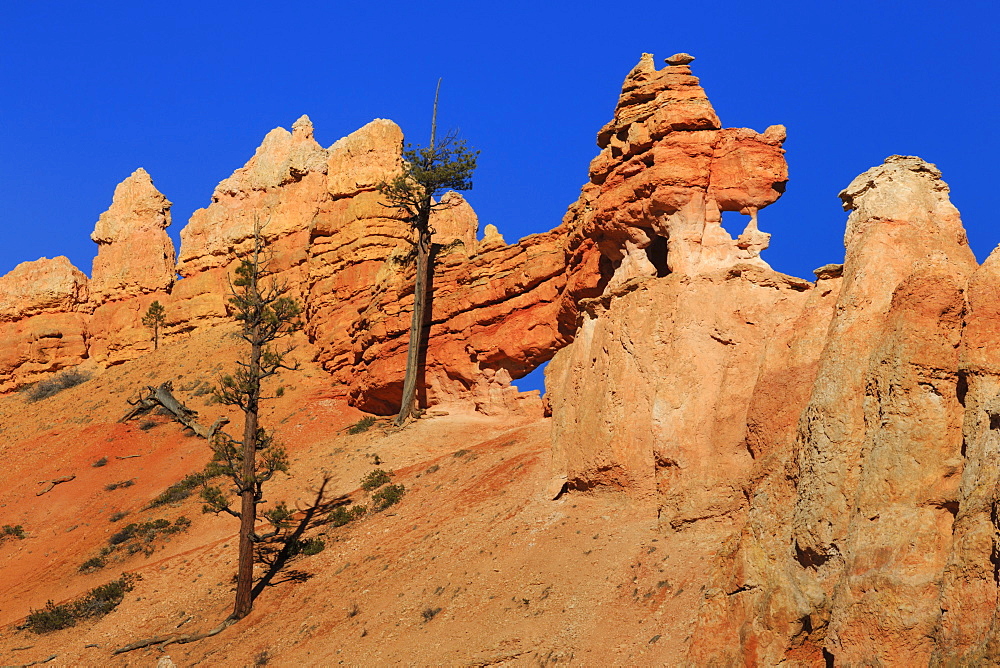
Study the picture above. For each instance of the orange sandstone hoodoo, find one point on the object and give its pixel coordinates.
(814, 460)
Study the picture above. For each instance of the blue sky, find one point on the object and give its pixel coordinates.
(91, 91)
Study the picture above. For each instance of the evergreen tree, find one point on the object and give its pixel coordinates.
(266, 314)
(427, 172)
(154, 319)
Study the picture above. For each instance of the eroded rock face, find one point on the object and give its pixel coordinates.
(969, 631)
(758, 604)
(135, 265)
(39, 345)
(494, 307)
(280, 189)
(666, 172)
(134, 254)
(42, 286)
(42, 328)
(901, 225)
(881, 438)
(671, 275)
(493, 319)
(814, 432)
(652, 396)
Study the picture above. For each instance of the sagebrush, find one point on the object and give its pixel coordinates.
(46, 388)
(98, 602)
(134, 538)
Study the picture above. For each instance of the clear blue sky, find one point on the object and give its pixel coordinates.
(91, 91)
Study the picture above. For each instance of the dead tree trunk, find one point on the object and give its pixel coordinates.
(150, 397)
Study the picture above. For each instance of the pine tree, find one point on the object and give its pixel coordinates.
(427, 171)
(266, 314)
(154, 319)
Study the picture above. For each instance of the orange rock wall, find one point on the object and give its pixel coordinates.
(344, 255)
(827, 449)
(42, 328)
(825, 443)
(665, 173)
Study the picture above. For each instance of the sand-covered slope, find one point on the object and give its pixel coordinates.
(513, 574)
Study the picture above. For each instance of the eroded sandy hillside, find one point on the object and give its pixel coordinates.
(513, 575)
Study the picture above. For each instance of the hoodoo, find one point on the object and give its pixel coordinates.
(812, 463)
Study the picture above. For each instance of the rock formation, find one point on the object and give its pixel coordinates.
(455, 223)
(279, 189)
(824, 451)
(134, 254)
(361, 290)
(969, 632)
(653, 208)
(345, 256)
(135, 264)
(831, 437)
(41, 327)
(667, 171)
(42, 286)
(881, 438)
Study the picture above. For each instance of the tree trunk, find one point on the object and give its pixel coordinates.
(423, 226)
(248, 506)
(417, 322)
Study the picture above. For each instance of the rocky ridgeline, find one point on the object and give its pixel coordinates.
(343, 253)
(829, 446)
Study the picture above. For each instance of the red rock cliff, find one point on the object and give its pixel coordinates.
(343, 253)
(824, 452)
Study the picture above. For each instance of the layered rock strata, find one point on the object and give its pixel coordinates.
(344, 255)
(42, 328)
(134, 254)
(826, 450)
(666, 172)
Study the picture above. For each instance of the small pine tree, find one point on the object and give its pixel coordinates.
(266, 314)
(154, 319)
(427, 171)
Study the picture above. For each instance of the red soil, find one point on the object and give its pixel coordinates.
(515, 577)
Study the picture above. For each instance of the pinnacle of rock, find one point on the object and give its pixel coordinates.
(135, 255)
(645, 65)
(303, 126)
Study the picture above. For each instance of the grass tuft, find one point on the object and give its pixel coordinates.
(362, 425)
